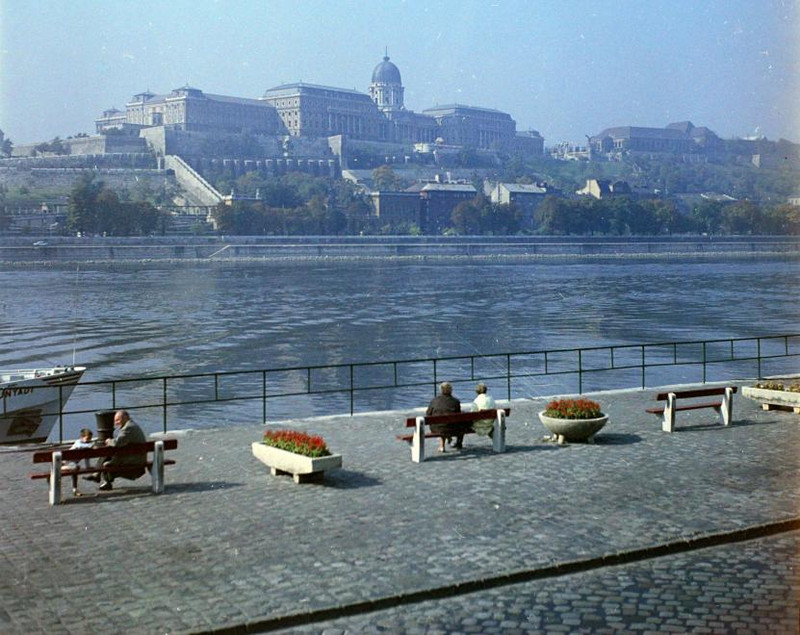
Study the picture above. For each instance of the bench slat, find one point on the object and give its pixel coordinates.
(458, 417)
(691, 406)
(692, 394)
(46, 456)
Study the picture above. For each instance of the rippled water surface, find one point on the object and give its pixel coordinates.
(129, 320)
(153, 318)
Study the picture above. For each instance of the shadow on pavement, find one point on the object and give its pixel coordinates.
(139, 491)
(614, 438)
(348, 479)
(714, 425)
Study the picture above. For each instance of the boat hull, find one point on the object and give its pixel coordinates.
(30, 402)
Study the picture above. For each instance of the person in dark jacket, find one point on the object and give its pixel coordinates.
(134, 464)
(442, 404)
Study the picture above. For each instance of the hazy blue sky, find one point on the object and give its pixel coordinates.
(567, 68)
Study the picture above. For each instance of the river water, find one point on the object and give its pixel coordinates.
(151, 318)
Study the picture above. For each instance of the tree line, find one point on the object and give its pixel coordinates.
(95, 209)
(625, 215)
(301, 204)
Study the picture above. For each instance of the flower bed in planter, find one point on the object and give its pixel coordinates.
(775, 394)
(573, 419)
(303, 456)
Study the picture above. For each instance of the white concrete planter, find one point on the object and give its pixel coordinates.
(573, 429)
(302, 468)
(771, 398)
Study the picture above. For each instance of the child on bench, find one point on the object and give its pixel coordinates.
(84, 442)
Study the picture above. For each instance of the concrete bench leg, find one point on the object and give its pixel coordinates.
(499, 433)
(158, 468)
(726, 413)
(418, 442)
(55, 479)
(668, 422)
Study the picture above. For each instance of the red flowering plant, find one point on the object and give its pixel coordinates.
(573, 409)
(296, 442)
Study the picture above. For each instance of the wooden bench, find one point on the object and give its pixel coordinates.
(56, 458)
(463, 420)
(667, 412)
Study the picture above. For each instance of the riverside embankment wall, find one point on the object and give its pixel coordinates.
(19, 250)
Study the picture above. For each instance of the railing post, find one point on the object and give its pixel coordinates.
(164, 402)
(216, 387)
(435, 377)
(113, 395)
(704, 361)
(643, 369)
(61, 414)
(758, 356)
(508, 374)
(580, 371)
(352, 390)
(263, 396)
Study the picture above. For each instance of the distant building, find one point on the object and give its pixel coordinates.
(632, 139)
(438, 200)
(599, 188)
(396, 208)
(526, 197)
(794, 199)
(693, 144)
(191, 109)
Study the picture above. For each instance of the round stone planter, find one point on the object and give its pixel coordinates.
(302, 468)
(573, 430)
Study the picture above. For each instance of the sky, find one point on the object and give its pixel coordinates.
(567, 68)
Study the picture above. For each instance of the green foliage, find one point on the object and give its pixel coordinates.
(56, 146)
(384, 178)
(93, 208)
(6, 147)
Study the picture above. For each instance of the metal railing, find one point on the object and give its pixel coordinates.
(383, 385)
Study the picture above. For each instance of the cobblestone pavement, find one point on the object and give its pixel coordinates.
(749, 587)
(229, 546)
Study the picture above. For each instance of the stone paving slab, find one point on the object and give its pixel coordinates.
(229, 545)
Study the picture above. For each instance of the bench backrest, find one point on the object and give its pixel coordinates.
(459, 417)
(692, 394)
(90, 453)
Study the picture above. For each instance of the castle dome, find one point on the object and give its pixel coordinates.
(386, 73)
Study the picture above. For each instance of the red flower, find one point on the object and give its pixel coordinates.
(573, 409)
(296, 442)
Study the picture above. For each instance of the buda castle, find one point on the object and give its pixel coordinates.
(310, 111)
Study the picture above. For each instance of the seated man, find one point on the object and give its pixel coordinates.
(134, 464)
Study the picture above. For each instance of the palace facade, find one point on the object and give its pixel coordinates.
(310, 110)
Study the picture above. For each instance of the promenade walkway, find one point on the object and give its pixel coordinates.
(700, 531)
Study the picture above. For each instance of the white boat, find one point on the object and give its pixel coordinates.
(30, 401)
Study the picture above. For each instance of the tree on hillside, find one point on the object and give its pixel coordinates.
(553, 216)
(93, 208)
(384, 178)
(6, 145)
(81, 209)
(742, 217)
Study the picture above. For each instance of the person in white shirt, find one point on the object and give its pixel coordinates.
(83, 442)
(483, 401)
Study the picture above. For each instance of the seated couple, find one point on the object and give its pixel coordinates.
(444, 403)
